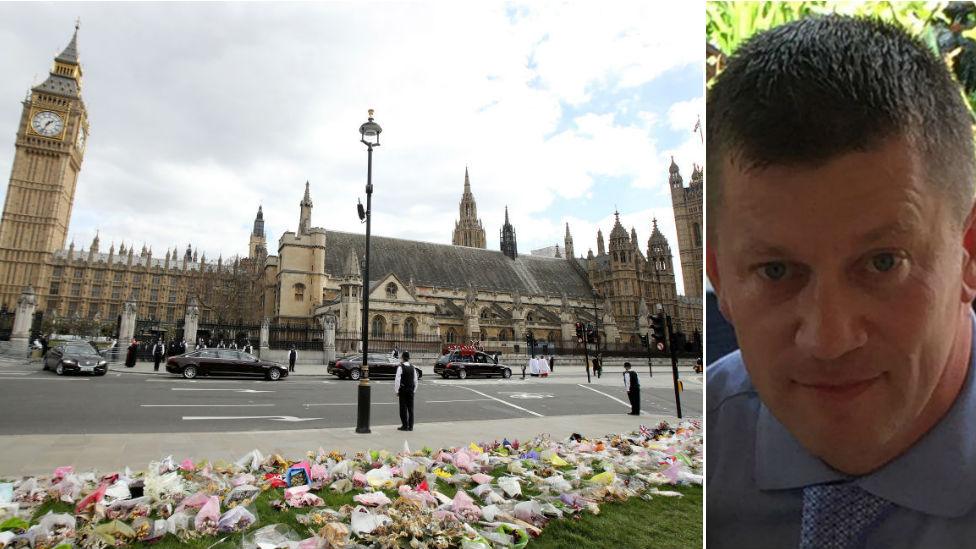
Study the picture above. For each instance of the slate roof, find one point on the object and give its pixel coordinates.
(447, 266)
(59, 85)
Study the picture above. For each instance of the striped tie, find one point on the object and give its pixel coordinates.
(838, 516)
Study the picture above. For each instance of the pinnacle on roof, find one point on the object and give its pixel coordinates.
(656, 234)
(567, 230)
(261, 213)
(467, 181)
(506, 214)
(674, 167)
(70, 53)
(618, 230)
(307, 199)
(352, 265)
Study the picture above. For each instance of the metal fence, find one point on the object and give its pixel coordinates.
(385, 343)
(301, 336)
(213, 333)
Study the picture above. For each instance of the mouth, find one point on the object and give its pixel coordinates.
(840, 389)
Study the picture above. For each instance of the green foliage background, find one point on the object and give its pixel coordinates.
(729, 24)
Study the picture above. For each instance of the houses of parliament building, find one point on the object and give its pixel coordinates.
(457, 292)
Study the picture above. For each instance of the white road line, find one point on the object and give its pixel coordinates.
(202, 389)
(502, 401)
(342, 403)
(14, 373)
(272, 418)
(459, 400)
(45, 379)
(627, 404)
(202, 405)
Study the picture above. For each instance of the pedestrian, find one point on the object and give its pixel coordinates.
(552, 362)
(404, 386)
(632, 385)
(183, 347)
(597, 367)
(247, 348)
(157, 353)
(233, 344)
(44, 346)
(221, 345)
(199, 345)
(524, 364)
(396, 350)
(292, 358)
(130, 354)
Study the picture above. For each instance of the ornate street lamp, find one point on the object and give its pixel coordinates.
(370, 136)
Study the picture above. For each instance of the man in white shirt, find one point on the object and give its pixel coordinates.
(404, 386)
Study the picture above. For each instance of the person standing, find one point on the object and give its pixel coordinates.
(597, 367)
(247, 348)
(157, 354)
(44, 346)
(396, 350)
(130, 354)
(404, 386)
(632, 385)
(552, 362)
(183, 347)
(292, 358)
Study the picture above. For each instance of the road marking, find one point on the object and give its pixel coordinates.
(528, 396)
(47, 379)
(459, 400)
(272, 418)
(342, 403)
(502, 401)
(202, 405)
(235, 390)
(15, 373)
(627, 404)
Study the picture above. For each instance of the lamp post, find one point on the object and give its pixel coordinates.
(370, 136)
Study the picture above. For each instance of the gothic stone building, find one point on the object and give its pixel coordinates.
(456, 292)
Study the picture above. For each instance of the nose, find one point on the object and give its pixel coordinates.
(830, 323)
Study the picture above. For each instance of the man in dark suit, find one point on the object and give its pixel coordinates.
(404, 386)
(292, 357)
(632, 385)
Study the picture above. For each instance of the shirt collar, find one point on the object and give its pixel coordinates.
(936, 476)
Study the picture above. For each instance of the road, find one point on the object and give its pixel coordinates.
(37, 402)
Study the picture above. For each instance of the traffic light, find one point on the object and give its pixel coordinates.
(658, 325)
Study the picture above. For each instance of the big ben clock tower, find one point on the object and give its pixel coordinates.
(50, 147)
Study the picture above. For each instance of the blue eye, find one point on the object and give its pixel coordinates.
(884, 262)
(774, 271)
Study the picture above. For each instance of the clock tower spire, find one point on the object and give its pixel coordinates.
(49, 150)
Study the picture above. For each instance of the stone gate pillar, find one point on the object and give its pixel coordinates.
(263, 338)
(127, 329)
(190, 323)
(23, 318)
(328, 338)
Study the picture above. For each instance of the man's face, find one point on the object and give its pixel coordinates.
(844, 283)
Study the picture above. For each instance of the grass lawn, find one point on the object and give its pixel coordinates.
(662, 522)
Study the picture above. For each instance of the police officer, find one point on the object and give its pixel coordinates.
(292, 357)
(632, 385)
(157, 353)
(404, 386)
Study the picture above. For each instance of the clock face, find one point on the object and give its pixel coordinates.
(80, 142)
(47, 123)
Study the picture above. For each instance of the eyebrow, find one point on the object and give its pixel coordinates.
(900, 227)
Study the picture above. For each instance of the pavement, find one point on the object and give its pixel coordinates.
(133, 416)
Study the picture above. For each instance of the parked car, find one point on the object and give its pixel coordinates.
(224, 362)
(462, 365)
(75, 357)
(380, 365)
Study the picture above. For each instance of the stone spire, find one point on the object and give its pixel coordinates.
(568, 242)
(507, 236)
(305, 219)
(600, 249)
(351, 270)
(674, 176)
(70, 53)
(259, 219)
(468, 230)
(65, 77)
(188, 256)
(94, 244)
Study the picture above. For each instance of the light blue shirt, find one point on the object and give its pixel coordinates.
(757, 471)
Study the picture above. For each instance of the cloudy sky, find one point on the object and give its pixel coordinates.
(201, 112)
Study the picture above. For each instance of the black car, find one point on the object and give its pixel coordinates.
(464, 365)
(75, 357)
(380, 365)
(224, 362)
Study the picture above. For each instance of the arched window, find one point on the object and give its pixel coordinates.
(485, 314)
(451, 336)
(410, 327)
(391, 290)
(529, 318)
(379, 326)
(299, 292)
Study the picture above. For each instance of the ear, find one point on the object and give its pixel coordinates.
(711, 269)
(969, 258)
